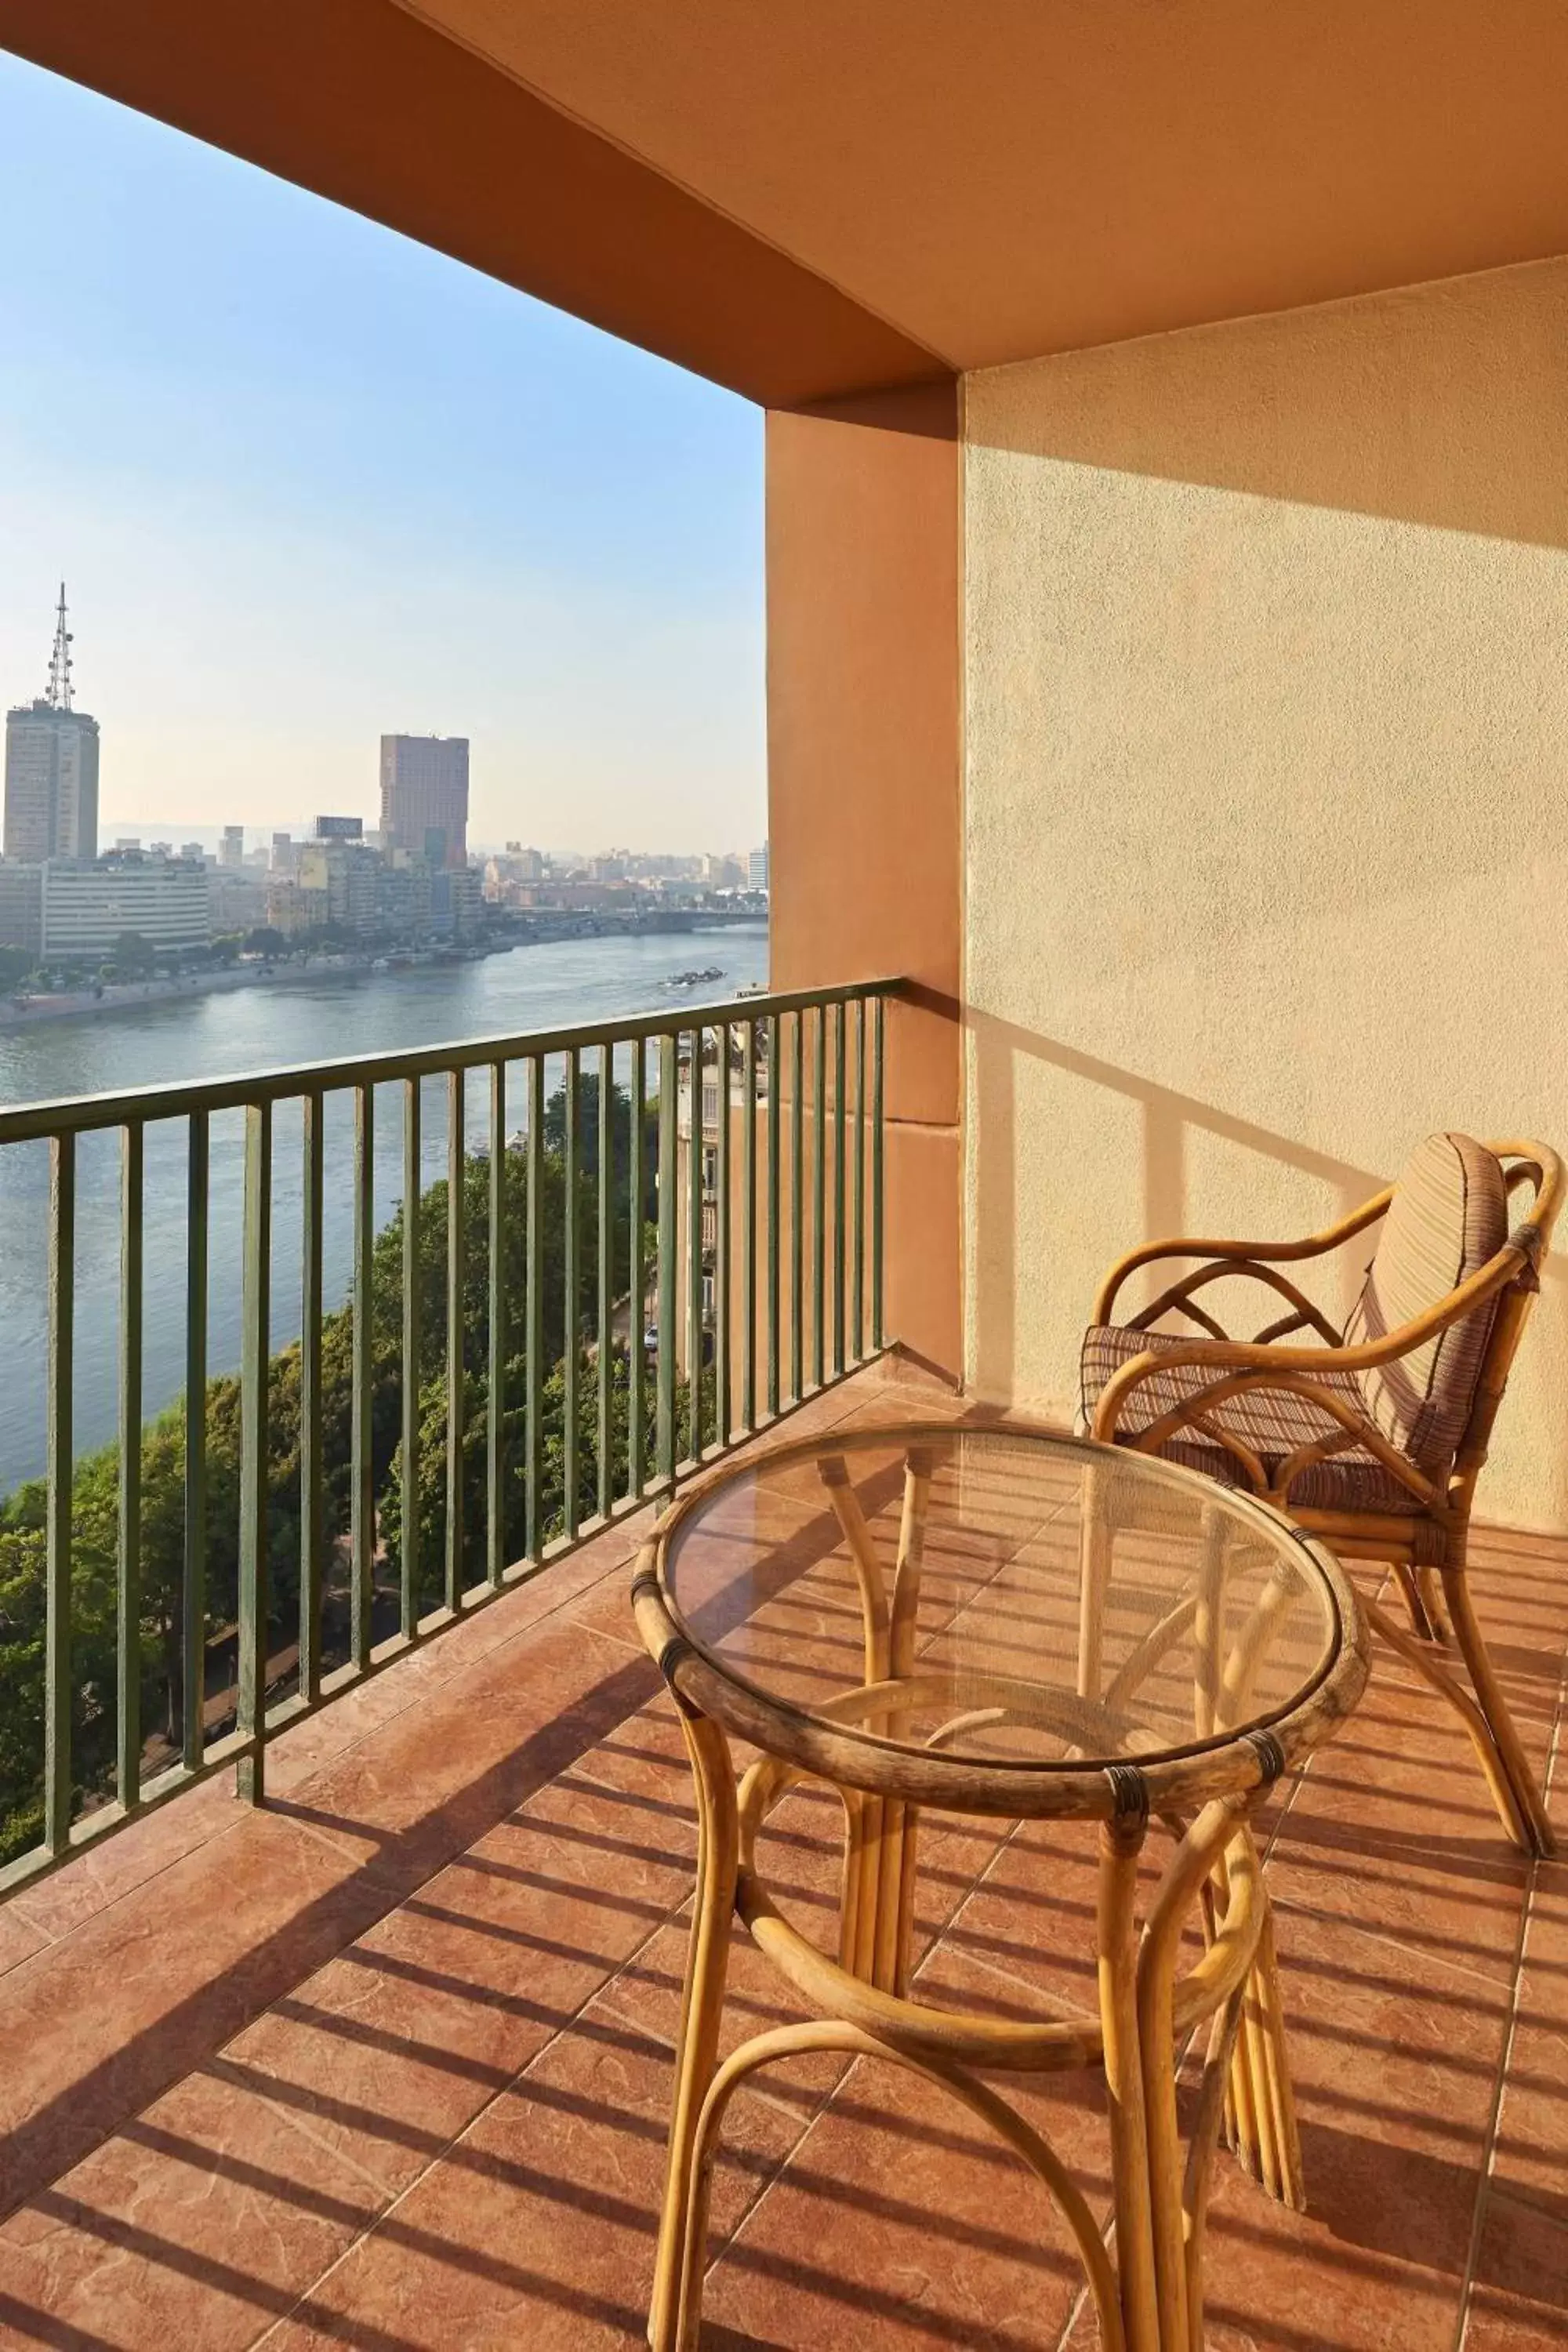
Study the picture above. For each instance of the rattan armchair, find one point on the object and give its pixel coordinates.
(1373, 1438)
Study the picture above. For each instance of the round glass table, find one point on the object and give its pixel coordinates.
(991, 1620)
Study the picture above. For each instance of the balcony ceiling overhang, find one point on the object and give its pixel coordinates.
(808, 199)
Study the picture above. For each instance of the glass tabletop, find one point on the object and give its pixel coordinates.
(1005, 1595)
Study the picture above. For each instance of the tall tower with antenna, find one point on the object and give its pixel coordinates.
(51, 768)
(60, 695)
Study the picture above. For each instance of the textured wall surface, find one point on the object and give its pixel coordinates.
(1267, 796)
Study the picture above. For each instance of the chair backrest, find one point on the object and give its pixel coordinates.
(1447, 1216)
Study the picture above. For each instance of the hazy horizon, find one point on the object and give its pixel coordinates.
(308, 482)
(116, 825)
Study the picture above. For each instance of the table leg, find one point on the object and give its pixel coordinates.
(1288, 2183)
(1094, 1576)
(889, 1955)
(877, 1904)
(1213, 2100)
(1185, 1875)
(1121, 1843)
(674, 2314)
(1209, 1623)
(1247, 2052)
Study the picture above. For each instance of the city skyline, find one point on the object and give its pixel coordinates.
(284, 539)
(51, 800)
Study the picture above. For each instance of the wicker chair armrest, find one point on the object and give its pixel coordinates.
(1221, 1253)
(1177, 1299)
(1514, 1262)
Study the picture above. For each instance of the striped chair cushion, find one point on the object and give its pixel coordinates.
(1448, 1216)
(1271, 1422)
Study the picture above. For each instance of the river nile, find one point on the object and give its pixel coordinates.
(256, 1029)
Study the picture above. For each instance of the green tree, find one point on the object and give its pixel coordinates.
(135, 957)
(431, 1484)
(96, 1481)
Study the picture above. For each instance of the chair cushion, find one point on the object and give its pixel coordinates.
(1272, 1421)
(1448, 1216)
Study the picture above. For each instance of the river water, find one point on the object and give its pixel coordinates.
(535, 987)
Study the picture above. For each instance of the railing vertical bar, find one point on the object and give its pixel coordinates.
(457, 1396)
(797, 1188)
(409, 1547)
(571, 1290)
(698, 1133)
(776, 1148)
(495, 1400)
(669, 1082)
(602, 1236)
(879, 1033)
(839, 1177)
(362, 1509)
(533, 1421)
(312, 1512)
(722, 1242)
(857, 1279)
(749, 1229)
(819, 1200)
(637, 1306)
(194, 1592)
(255, 1346)
(58, 1531)
(128, 1588)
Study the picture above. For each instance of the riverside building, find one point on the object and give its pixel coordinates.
(86, 911)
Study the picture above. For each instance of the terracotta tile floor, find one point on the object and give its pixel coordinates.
(388, 2064)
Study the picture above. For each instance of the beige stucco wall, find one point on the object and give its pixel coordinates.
(1267, 796)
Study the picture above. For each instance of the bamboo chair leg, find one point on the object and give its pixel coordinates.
(1499, 1723)
(1431, 1589)
(1415, 1593)
(1419, 1657)
(697, 2049)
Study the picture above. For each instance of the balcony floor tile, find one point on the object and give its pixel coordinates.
(389, 2063)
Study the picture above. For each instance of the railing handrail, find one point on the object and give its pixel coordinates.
(85, 1114)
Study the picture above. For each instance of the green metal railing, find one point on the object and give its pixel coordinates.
(692, 1305)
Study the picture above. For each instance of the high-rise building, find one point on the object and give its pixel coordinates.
(424, 796)
(757, 869)
(51, 768)
(231, 847)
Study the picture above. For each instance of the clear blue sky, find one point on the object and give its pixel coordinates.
(306, 481)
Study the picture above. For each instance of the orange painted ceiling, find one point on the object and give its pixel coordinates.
(875, 190)
(1009, 177)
